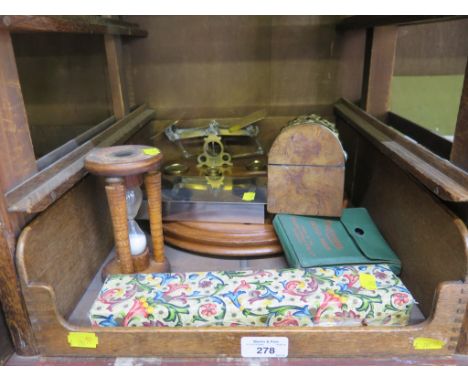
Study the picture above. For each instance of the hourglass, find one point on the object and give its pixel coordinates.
(126, 168)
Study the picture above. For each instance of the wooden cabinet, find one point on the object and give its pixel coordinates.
(54, 236)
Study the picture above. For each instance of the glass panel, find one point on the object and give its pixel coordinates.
(65, 86)
(428, 76)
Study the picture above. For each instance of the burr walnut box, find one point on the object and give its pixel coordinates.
(306, 169)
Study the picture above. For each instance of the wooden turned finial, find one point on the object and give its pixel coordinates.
(127, 166)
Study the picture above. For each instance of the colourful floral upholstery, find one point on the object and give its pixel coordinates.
(289, 297)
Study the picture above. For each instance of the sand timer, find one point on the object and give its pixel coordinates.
(126, 168)
(137, 238)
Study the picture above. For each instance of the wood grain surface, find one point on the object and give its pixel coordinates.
(53, 331)
(230, 66)
(70, 24)
(67, 244)
(43, 188)
(115, 191)
(409, 219)
(117, 80)
(223, 239)
(153, 192)
(306, 172)
(364, 22)
(429, 239)
(17, 162)
(64, 83)
(444, 179)
(378, 70)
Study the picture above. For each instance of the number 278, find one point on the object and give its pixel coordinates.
(265, 350)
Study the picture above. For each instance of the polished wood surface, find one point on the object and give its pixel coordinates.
(306, 172)
(378, 70)
(429, 239)
(408, 212)
(303, 342)
(352, 49)
(123, 161)
(115, 190)
(231, 66)
(18, 166)
(306, 144)
(66, 245)
(17, 162)
(224, 239)
(117, 80)
(43, 188)
(263, 55)
(153, 192)
(70, 24)
(360, 22)
(376, 179)
(444, 179)
(124, 166)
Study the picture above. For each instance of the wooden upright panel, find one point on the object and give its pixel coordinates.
(17, 162)
(459, 156)
(116, 75)
(378, 69)
(352, 49)
(6, 347)
(229, 66)
(73, 236)
(459, 153)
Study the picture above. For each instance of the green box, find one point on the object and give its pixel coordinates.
(318, 242)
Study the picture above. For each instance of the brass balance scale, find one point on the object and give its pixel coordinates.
(214, 196)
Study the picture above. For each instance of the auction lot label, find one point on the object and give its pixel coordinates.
(264, 347)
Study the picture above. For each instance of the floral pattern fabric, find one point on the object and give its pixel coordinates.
(326, 296)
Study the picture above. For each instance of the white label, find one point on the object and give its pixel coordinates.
(264, 347)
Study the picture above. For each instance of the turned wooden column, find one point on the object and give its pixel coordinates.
(126, 169)
(153, 190)
(115, 190)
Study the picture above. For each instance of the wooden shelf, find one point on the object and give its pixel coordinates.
(439, 175)
(428, 138)
(40, 190)
(71, 24)
(358, 22)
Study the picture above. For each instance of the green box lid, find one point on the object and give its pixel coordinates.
(351, 239)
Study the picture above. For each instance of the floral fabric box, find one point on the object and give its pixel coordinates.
(345, 295)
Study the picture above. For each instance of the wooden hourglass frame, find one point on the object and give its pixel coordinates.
(125, 169)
